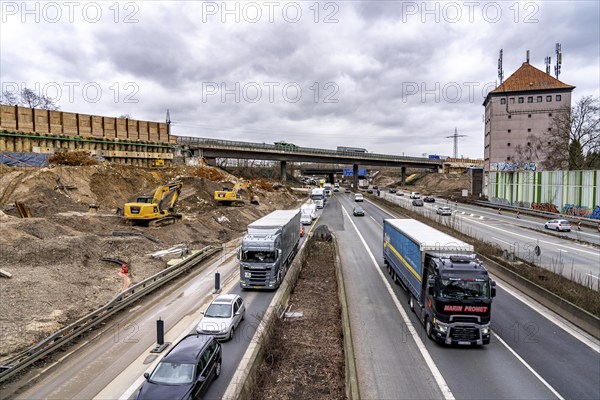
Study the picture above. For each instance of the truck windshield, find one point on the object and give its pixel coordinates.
(464, 289)
(258, 256)
(317, 196)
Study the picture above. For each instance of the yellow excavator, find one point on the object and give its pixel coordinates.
(149, 209)
(229, 197)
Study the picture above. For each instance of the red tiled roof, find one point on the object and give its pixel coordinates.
(528, 78)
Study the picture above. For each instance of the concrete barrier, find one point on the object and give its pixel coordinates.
(569, 311)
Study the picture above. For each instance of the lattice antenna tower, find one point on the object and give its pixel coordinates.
(455, 137)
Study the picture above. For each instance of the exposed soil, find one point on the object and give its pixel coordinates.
(434, 184)
(305, 356)
(55, 256)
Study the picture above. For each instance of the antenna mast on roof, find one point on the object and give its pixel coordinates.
(168, 121)
(548, 61)
(455, 137)
(500, 72)
(558, 60)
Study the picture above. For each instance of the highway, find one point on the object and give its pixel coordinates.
(560, 252)
(530, 357)
(110, 363)
(533, 353)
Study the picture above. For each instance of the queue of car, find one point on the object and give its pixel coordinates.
(187, 370)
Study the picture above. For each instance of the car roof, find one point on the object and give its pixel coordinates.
(188, 348)
(225, 298)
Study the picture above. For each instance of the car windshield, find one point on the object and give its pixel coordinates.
(173, 373)
(358, 209)
(258, 256)
(218, 311)
(454, 288)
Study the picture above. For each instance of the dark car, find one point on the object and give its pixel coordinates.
(375, 187)
(417, 202)
(391, 190)
(185, 371)
(347, 190)
(428, 199)
(358, 211)
(370, 191)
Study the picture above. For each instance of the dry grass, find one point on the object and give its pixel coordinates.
(304, 357)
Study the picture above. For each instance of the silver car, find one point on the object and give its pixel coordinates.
(558, 225)
(444, 210)
(223, 316)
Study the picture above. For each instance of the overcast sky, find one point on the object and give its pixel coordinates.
(390, 76)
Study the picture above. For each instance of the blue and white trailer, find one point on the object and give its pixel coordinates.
(448, 287)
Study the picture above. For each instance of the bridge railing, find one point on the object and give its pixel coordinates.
(290, 148)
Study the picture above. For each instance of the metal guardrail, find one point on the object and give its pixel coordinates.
(122, 300)
(538, 213)
(245, 146)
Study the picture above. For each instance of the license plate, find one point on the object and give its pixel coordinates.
(257, 287)
(462, 342)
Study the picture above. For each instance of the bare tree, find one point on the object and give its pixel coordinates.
(28, 98)
(8, 98)
(573, 142)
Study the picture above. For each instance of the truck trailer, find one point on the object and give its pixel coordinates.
(268, 249)
(448, 287)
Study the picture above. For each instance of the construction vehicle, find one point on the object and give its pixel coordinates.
(151, 210)
(232, 196)
(158, 163)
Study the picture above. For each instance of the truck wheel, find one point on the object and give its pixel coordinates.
(429, 328)
(411, 302)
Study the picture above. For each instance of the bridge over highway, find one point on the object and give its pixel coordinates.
(210, 149)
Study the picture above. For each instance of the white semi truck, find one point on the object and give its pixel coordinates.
(268, 249)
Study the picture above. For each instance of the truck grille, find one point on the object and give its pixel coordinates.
(464, 333)
(464, 318)
(258, 277)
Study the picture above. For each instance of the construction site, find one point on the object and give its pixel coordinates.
(65, 239)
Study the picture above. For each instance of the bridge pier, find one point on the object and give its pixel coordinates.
(332, 178)
(212, 161)
(282, 169)
(403, 176)
(355, 176)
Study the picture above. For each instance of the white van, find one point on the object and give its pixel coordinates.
(415, 195)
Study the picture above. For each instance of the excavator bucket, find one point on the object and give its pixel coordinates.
(254, 200)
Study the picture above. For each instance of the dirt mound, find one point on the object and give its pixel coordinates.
(55, 257)
(429, 184)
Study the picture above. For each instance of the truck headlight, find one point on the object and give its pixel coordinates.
(485, 330)
(441, 327)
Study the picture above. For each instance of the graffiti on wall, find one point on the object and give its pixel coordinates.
(581, 211)
(548, 207)
(522, 204)
(513, 166)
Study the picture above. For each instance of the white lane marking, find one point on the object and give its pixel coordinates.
(534, 239)
(551, 316)
(528, 367)
(503, 241)
(374, 220)
(545, 312)
(447, 393)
